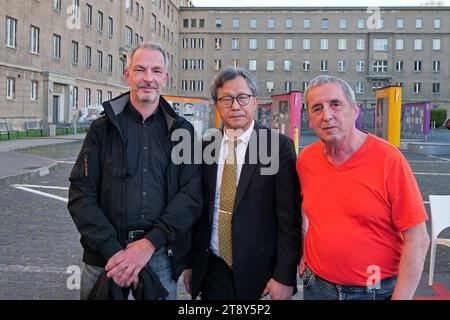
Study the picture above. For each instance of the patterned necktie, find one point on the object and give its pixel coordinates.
(227, 196)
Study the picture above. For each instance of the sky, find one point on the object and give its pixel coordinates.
(309, 3)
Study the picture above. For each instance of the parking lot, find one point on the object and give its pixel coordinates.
(40, 254)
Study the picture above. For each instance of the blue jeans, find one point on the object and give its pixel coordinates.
(159, 263)
(316, 288)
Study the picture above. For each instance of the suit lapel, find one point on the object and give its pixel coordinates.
(248, 168)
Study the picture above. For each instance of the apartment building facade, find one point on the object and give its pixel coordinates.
(287, 47)
(58, 56)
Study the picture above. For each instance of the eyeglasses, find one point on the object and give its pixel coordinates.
(242, 100)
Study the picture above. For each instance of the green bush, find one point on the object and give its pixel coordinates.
(439, 116)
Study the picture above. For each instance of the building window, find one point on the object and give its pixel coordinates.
(417, 87)
(253, 23)
(109, 95)
(380, 45)
(201, 42)
(252, 44)
(323, 65)
(34, 90)
(193, 23)
(185, 43)
(417, 66)
(380, 66)
(288, 86)
(122, 66)
(201, 22)
(110, 26)
(217, 64)
(99, 60)
(399, 66)
(417, 44)
(269, 86)
(234, 63)
(76, 9)
(343, 23)
(193, 43)
(218, 23)
(10, 88)
(183, 85)
(288, 44)
(380, 24)
(110, 63)
(360, 44)
(218, 43)
(87, 97)
(361, 23)
(436, 44)
(201, 63)
(128, 36)
(323, 44)
(342, 66)
(419, 23)
(184, 64)
(11, 32)
(56, 46)
(34, 39)
(436, 66)
(193, 64)
(342, 44)
(436, 87)
(400, 23)
(185, 22)
(200, 85)
(306, 44)
(306, 23)
(235, 44)
(437, 23)
(87, 57)
(288, 65)
(88, 15)
(399, 44)
(99, 99)
(360, 66)
(306, 65)
(270, 65)
(57, 5)
(288, 23)
(252, 65)
(271, 23)
(74, 55)
(324, 24)
(235, 23)
(359, 87)
(75, 98)
(100, 21)
(270, 44)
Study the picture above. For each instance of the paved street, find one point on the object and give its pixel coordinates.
(39, 242)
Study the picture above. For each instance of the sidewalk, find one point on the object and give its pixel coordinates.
(16, 166)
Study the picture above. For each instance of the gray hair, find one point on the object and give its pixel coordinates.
(150, 45)
(323, 79)
(231, 73)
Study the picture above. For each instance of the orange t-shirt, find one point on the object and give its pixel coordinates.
(357, 211)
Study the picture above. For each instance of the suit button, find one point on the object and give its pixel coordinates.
(207, 250)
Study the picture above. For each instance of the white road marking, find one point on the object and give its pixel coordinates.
(39, 186)
(426, 161)
(62, 161)
(30, 269)
(431, 174)
(440, 158)
(45, 194)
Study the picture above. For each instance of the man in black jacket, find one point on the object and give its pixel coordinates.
(132, 205)
(247, 242)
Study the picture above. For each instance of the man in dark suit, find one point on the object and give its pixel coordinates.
(247, 241)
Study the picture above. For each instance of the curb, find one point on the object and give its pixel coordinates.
(24, 176)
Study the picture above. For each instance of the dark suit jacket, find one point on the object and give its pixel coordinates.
(266, 226)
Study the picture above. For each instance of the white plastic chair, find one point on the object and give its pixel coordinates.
(440, 220)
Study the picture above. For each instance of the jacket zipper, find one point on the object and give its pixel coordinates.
(86, 173)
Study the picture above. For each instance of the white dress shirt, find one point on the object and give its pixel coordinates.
(241, 149)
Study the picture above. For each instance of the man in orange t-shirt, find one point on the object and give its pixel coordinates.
(365, 236)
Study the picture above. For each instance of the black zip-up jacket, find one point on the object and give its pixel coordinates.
(97, 193)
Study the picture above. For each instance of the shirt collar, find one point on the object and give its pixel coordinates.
(245, 137)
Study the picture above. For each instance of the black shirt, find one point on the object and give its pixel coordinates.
(147, 164)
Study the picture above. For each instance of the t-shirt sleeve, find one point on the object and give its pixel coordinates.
(406, 201)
